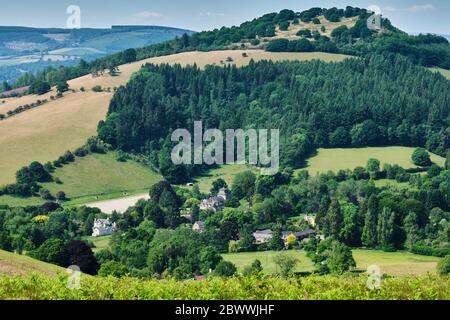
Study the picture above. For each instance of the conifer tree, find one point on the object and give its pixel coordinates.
(369, 236)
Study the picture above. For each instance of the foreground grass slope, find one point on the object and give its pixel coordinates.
(390, 263)
(13, 264)
(428, 287)
(44, 133)
(336, 159)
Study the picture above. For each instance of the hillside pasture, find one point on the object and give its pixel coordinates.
(46, 132)
(444, 72)
(390, 263)
(102, 174)
(291, 33)
(336, 159)
(396, 263)
(244, 259)
(225, 172)
(12, 264)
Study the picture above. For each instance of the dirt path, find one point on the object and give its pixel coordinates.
(119, 205)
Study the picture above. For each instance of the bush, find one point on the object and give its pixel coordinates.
(304, 33)
(112, 268)
(286, 264)
(430, 251)
(421, 157)
(444, 266)
(225, 269)
(278, 45)
(284, 25)
(61, 196)
(45, 194)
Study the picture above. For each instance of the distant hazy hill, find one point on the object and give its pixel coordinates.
(25, 49)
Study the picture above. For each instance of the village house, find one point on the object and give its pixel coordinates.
(264, 236)
(310, 219)
(199, 226)
(215, 203)
(103, 227)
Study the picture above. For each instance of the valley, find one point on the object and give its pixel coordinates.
(359, 124)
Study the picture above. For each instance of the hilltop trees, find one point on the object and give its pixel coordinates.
(129, 55)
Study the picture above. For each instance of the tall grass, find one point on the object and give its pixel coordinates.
(429, 287)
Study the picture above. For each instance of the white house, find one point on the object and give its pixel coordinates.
(103, 227)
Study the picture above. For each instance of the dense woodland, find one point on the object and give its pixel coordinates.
(356, 103)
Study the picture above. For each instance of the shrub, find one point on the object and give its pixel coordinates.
(421, 157)
(225, 269)
(61, 196)
(304, 33)
(112, 268)
(286, 264)
(45, 194)
(444, 266)
(284, 25)
(278, 45)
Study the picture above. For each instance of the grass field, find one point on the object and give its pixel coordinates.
(45, 133)
(97, 177)
(99, 242)
(241, 260)
(444, 72)
(386, 182)
(225, 172)
(102, 174)
(336, 159)
(14, 264)
(391, 263)
(20, 202)
(396, 263)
